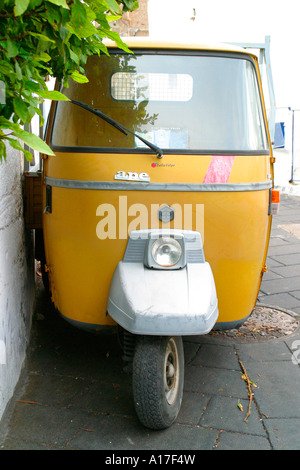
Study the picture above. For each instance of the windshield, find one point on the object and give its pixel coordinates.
(179, 102)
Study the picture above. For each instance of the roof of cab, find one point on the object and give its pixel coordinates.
(149, 43)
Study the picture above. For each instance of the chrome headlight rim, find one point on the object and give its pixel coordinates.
(170, 243)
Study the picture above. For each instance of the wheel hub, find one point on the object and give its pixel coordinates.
(171, 376)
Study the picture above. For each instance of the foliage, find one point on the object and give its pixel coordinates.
(40, 38)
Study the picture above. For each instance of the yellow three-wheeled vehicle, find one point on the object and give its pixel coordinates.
(157, 204)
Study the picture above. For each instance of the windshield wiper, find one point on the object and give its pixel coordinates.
(118, 126)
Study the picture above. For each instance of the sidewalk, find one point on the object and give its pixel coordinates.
(74, 393)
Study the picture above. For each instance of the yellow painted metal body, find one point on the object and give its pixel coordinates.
(235, 228)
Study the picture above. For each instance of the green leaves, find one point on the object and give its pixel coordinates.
(20, 108)
(60, 3)
(52, 95)
(20, 7)
(78, 15)
(78, 77)
(40, 38)
(12, 48)
(130, 5)
(33, 141)
(113, 6)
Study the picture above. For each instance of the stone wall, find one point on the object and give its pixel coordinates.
(133, 23)
(16, 277)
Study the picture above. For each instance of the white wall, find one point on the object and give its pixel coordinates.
(245, 22)
(239, 21)
(16, 277)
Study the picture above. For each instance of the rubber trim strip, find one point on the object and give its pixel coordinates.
(137, 186)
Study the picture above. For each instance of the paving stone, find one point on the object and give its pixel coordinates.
(222, 356)
(190, 350)
(224, 413)
(44, 425)
(296, 294)
(277, 233)
(281, 285)
(63, 390)
(288, 271)
(293, 344)
(209, 380)
(201, 339)
(20, 444)
(192, 408)
(115, 432)
(278, 384)
(284, 300)
(278, 260)
(102, 397)
(284, 248)
(238, 441)
(263, 352)
(270, 275)
(272, 262)
(277, 241)
(284, 433)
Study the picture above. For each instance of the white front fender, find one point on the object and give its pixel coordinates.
(158, 302)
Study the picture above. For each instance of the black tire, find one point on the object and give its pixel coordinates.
(158, 377)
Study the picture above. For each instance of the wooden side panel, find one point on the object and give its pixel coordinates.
(33, 201)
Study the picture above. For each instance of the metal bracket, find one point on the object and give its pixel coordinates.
(264, 57)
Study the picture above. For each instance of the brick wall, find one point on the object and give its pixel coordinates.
(133, 23)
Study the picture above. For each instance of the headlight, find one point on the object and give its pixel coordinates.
(166, 251)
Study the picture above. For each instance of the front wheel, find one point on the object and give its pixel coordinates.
(158, 377)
